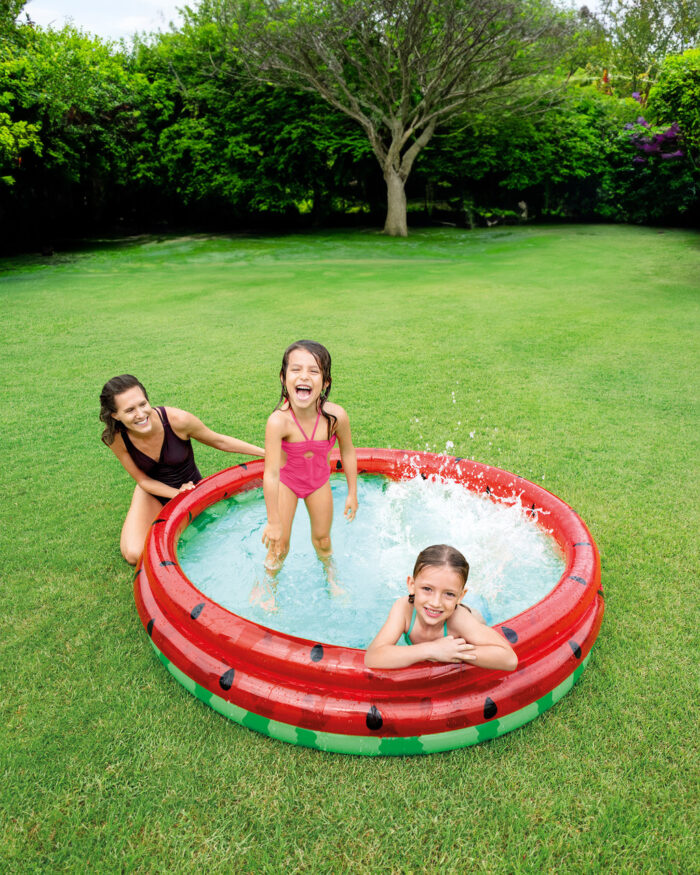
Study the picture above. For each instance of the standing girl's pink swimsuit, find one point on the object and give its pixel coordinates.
(306, 468)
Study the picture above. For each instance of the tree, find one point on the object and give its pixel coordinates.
(644, 32)
(67, 117)
(9, 11)
(227, 147)
(399, 68)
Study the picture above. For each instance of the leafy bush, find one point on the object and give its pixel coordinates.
(676, 97)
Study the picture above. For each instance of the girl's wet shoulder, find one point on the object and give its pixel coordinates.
(335, 409)
(278, 423)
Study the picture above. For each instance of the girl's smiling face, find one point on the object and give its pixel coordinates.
(304, 378)
(437, 590)
(133, 411)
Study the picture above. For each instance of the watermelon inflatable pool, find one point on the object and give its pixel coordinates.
(321, 695)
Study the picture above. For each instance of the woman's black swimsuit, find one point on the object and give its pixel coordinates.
(176, 464)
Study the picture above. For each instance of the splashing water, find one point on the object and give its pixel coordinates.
(513, 562)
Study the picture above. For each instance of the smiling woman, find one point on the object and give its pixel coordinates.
(154, 446)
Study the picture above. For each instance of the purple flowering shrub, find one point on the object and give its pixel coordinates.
(649, 176)
(654, 141)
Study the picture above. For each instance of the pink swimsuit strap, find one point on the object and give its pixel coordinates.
(318, 416)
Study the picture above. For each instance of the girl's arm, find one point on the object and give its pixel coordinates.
(488, 648)
(274, 432)
(349, 459)
(384, 652)
(188, 426)
(148, 484)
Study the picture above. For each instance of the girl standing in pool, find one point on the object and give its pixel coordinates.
(153, 444)
(434, 624)
(300, 434)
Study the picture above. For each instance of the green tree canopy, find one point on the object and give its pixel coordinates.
(398, 68)
(676, 97)
(643, 32)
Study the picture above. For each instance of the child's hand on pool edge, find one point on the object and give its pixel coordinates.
(451, 649)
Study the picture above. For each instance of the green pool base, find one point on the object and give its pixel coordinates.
(368, 745)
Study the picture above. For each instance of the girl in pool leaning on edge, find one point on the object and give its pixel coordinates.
(434, 623)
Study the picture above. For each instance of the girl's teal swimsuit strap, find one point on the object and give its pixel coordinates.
(407, 635)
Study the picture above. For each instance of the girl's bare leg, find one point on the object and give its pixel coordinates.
(320, 507)
(263, 592)
(287, 509)
(143, 510)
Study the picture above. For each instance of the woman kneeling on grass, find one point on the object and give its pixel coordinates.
(434, 624)
(153, 444)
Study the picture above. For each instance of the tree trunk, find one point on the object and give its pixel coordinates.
(396, 224)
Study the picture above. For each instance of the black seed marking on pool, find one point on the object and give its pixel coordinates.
(490, 708)
(155, 522)
(583, 544)
(226, 679)
(510, 634)
(197, 610)
(338, 465)
(166, 562)
(374, 719)
(317, 653)
(577, 579)
(577, 650)
(149, 627)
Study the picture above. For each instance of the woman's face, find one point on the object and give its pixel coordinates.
(134, 411)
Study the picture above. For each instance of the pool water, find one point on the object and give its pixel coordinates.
(513, 562)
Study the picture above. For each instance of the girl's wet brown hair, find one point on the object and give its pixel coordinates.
(441, 555)
(323, 360)
(110, 390)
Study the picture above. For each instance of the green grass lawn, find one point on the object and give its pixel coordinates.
(566, 355)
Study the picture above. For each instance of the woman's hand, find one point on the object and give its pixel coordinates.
(186, 486)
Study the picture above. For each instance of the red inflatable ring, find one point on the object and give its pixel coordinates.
(321, 695)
